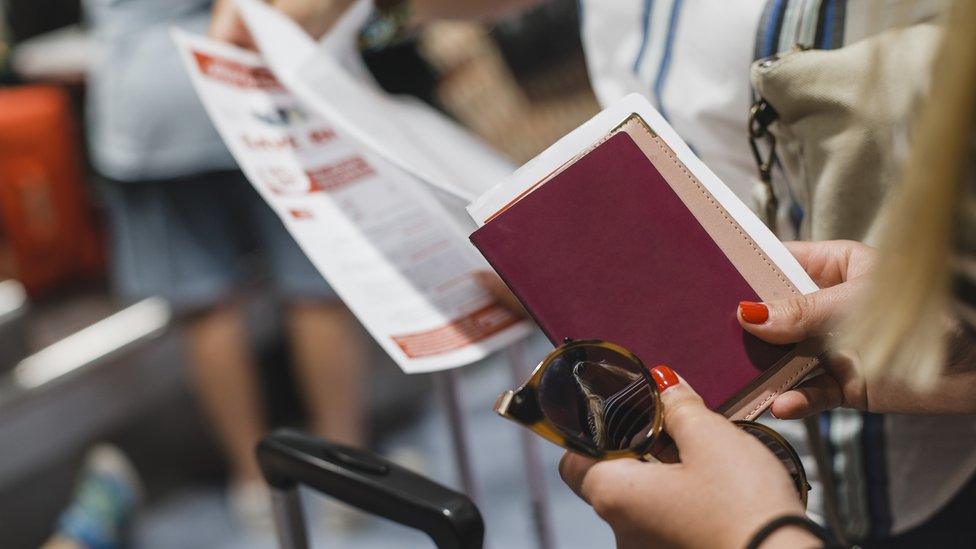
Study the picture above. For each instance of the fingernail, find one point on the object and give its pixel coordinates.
(753, 313)
(664, 377)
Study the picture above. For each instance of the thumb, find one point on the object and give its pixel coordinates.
(813, 396)
(696, 430)
(797, 318)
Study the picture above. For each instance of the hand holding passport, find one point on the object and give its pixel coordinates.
(619, 233)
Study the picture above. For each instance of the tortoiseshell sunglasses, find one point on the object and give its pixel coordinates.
(597, 398)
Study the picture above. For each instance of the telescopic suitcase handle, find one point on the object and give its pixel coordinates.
(364, 480)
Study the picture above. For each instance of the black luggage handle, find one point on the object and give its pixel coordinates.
(366, 481)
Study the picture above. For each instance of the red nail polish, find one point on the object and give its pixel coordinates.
(664, 377)
(753, 313)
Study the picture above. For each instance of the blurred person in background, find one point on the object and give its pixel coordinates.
(890, 474)
(184, 221)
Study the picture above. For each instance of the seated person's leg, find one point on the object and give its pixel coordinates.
(327, 341)
(178, 239)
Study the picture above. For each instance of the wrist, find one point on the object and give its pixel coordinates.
(789, 531)
(316, 17)
(791, 537)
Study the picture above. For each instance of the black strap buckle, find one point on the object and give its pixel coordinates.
(761, 115)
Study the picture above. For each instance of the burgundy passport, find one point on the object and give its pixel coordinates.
(606, 249)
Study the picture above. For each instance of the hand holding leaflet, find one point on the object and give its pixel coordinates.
(330, 79)
(383, 242)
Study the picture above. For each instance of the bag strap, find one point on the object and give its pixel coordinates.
(785, 25)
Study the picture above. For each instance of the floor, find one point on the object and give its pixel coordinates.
(198, 516)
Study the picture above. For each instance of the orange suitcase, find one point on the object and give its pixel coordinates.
(47, 228)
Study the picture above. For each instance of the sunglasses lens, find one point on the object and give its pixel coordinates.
(782, 450)
(598, 396)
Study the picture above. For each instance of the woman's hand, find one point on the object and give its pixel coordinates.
(727, 486)
(227, 25)
(315, 16)
(841, 267)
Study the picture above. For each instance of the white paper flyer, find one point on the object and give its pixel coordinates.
(384, 243)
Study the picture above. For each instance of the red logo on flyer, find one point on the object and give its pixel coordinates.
(460, 332)
(269, 143)
(323, 135)
(284, 181)
(236, 74)
(287, 181)
(341, 174)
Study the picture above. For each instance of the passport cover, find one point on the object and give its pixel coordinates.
(624, 244)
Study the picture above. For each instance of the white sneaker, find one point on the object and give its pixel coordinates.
(250, 503)
(342, 520)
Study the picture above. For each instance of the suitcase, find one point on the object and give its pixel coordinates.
(47, 230)
(290, 459)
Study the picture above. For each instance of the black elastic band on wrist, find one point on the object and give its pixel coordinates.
(793, 520)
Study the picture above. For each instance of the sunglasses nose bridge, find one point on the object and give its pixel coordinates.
(520, 406)
(502, 403)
